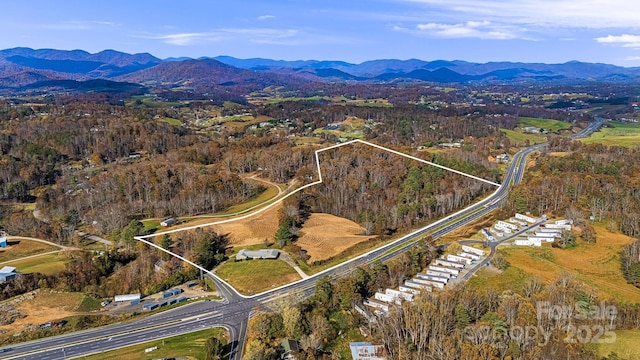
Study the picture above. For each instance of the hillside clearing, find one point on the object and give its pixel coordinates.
(324, 236)
(17, 249)
(547, 124)
(49, 264)
(595, 265)
(48, 306)
(619, 134)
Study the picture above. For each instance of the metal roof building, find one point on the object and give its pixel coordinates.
(7, 273)
(127, 297)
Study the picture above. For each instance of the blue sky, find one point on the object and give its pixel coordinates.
(551, 31)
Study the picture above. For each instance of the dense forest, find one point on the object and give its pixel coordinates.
(385, 192)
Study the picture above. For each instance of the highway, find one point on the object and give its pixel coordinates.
(233, 313)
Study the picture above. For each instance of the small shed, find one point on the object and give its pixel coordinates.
(3, 242)
(168, 222)
(7, 274)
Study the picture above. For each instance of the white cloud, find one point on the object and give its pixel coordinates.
(632, 58)
(563, 13)
(470, 29)
(625, 40)
(186, 39)
(252, 35)
(265, 17)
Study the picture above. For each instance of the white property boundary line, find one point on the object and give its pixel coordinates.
(317, 152)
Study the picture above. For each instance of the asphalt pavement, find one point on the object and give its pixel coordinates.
(233, 312)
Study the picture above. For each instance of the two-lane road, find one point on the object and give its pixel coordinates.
(233, 313)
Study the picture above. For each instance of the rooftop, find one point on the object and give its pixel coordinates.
(7, 270)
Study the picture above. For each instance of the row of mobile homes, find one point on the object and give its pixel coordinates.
(409, 290)
(471, 256)
(453, 272)
(518, 222)
(547, 234)
(563, 222)
(450, 264)
(527, 242)
(415, 285)
(548, 239)
(501, 228)
(459, 259)
(507, 225)
(558, 226)
(441, 279)
(472, 250)
(438, 273)
(376, 305)
(526, 218)
(433, 284)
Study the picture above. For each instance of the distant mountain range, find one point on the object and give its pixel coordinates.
(24, 69)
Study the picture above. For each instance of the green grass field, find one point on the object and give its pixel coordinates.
(17, 249)
(88, 304)
(171, 121)
(511, 278)
(547, 124)
(519, 138)
(189, 346)
(46, 264)
(620, 134)
(255, 276)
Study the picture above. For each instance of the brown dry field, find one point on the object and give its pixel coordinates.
(325, 236)
(45, 307)
(597, 265)
(252, 230)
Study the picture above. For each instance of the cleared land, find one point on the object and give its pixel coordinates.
(171, 121)
(17, 249)
(255, 276)
(49, 264)
(325, 236)
(48, 306)
(621, 134)
(187, 346)
(595, 265)
(626, 345)
(250, 231)
(547, 124)
(517, 137)
(350, 128)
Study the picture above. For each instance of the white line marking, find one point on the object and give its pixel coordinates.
(317, 152)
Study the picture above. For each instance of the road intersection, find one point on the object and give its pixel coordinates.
(233, 312)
